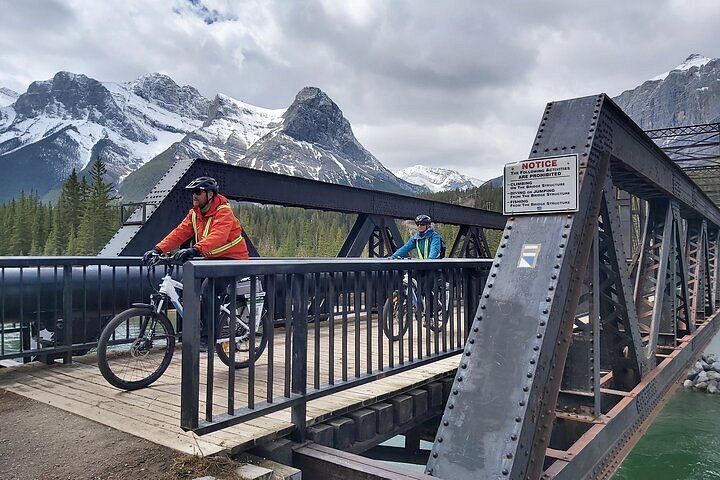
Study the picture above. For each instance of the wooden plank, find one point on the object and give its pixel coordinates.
(79, 388)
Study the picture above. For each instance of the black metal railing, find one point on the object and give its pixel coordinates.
(327, 333)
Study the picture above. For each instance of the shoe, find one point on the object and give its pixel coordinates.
(203, 346)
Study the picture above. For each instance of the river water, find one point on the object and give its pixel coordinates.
(683, 442)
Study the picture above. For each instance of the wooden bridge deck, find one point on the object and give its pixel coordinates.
(153, 413)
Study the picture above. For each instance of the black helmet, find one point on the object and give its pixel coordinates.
(422, 219)
(203, 183)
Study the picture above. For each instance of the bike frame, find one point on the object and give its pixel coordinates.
(169, 288)
(420, 306)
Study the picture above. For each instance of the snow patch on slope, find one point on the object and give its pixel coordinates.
(437, 179)
(694, 60)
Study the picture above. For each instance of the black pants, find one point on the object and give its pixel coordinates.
(207, 311)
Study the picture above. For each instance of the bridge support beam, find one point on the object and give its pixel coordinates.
(566, 356)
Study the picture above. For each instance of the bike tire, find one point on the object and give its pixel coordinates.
(437, 324)
(124, 359)
(242, 347)
(395, 315)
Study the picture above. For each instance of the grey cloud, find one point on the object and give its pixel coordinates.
(458, 82)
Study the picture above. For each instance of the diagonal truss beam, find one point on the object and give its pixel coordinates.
(529, 397)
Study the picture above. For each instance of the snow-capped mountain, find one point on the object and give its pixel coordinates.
(437, 179)
(689, 94)
(310, 139)
(7, 96)
(66, 122)
(230, 129)
(70, 120)
(316, 141)
(694, 60)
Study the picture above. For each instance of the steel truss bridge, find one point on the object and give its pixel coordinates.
(557, 368)
(696, 149)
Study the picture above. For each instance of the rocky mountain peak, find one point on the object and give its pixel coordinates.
(162, 90)
(66, 95)
(694, 60)
(686, 95)
(313, 117)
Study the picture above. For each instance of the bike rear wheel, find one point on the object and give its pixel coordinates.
(242, 336)
(395, 322)
(439, 317)
(130, 356)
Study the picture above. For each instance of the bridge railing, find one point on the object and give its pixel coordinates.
(332, 334)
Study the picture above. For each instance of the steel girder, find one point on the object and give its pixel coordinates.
(559, 370)
(168, 202)
(378, 234)
(470, 242)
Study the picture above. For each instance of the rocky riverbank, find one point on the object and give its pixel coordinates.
(704, 375)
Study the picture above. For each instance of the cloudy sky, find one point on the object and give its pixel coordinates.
(459, 84)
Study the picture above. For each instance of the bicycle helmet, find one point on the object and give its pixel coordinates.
(422, 219)
(203, 183)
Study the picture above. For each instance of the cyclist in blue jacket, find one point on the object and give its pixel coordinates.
(426, 241)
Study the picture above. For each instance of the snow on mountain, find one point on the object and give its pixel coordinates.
(231, 128)
(310, 139)
(687, 95)
(316, 141)
(694, 60)
(437, 179)
(7, 97)
(66, 122)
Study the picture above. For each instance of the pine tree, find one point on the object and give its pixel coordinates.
(22, 226)
(67, 216)
(98, 221)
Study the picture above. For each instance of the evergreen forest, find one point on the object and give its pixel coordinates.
(87, 215)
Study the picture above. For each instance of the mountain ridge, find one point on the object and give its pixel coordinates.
(437, 179)
(66, 122)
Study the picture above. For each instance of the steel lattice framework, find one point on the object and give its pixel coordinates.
(566, 361)
(696, 149)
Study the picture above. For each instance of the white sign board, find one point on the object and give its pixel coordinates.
(541, 185)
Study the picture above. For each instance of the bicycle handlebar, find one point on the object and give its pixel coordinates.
(160, 260)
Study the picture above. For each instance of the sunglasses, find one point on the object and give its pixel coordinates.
(419, 224)
(197, 192)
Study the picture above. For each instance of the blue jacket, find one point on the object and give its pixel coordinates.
(427, 245)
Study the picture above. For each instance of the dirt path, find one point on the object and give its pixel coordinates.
(38, 441)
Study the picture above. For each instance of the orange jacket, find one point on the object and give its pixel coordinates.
(217, 233)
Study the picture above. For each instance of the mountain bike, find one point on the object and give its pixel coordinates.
(395, 312)
(136, 346)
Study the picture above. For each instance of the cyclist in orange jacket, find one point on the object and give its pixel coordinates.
(217, 233)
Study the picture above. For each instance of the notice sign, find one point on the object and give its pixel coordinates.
(541, 185)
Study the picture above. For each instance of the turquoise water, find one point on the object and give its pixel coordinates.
(683, 441)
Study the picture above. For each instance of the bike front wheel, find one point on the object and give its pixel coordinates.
(395, 321)
(242, 336)
(135, 348)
